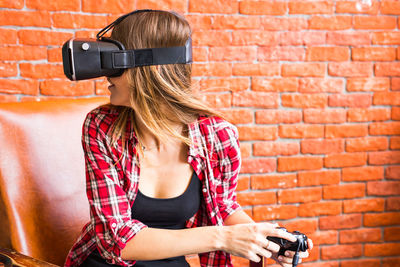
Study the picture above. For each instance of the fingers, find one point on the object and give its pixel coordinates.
(310, 243)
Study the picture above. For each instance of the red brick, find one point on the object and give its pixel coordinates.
(25, 18)
(350, 69)
(86, 34)
(347, 221)
(304, 100)
(306, 38)
(364, 235)
(16, 53)
(11, 86)
(387, 69)
(357, 7)
(260, 69)
(373, 53)
(200, 54)
(41, 71)
(324, 237)
(344, 191)
(249, 37)
(262, 8)
(243, 183)
(392, 234)
(258, 165)
(395, 113)
(374, 22)
(301, 131)
(303, 69)
(218, 69)
(286, 164)
(275, 148)
(324, 146)
(305, 7)
(54, 55)
(224, 84)
(12, 3)
(363, 205)
(275, 84)
(384, 157)
(273, 181)
(237, 116)
(8, 98)
(395, 142)
(8, 69)
(386, 38)
(390, 262)
(383, 188)
(321, 85)
(181, 6)
(214, 6)
(345, 160)
(351, 38)
(370, 84)
(245, 149)
(382, 219)
(392, 172)
(320, 208)
(367, 115)
(365, 173)
(8, 36)
(232, 53)
(280, 212)
(299, 195)
(211, 38)
(333, 23)
(358, 262)
(276, 53)
(353, 100)
(350, 130)
(255, 99)
(366, 144)
(324, 115)
(235, 22)
(107, 6)
(66, 88)
(101, 87)
(76, 21)
(387, 98)
(38, 37)
(305, 226)
(199, 22)
(277, 116)
(318, 178)
(327, 53)
(256, 198)
(390, 7)
(73, 5)
(257, 133)
(377, 250)
(218, 100)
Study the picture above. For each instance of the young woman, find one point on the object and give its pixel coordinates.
(162, 168)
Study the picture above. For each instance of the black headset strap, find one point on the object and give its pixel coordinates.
(145, 57)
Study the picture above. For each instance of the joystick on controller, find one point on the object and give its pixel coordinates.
(299, 245)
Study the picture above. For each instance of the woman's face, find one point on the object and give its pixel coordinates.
(119, 90)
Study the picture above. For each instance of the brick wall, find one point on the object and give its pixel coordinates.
(313, 86)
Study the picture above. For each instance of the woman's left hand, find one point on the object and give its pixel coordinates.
(287, 259)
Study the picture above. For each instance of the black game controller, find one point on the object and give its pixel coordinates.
(299, 245)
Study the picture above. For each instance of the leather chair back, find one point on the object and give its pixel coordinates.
(43, 204)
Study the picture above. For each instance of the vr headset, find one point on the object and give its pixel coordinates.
(91, 58)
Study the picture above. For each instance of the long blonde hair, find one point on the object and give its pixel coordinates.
(153, 87)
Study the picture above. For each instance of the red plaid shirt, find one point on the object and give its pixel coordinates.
(112, 188)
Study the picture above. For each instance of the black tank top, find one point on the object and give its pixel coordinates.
(164, 213)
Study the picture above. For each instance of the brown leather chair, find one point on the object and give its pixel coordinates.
(43, 204)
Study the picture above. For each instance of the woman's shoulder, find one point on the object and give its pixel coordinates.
(216, 123)
(102, 117)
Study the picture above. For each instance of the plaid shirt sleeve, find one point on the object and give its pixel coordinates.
(109, 205)
(229, 162)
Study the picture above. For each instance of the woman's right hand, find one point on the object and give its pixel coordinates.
(250, 240)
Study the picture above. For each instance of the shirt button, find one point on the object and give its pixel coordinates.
(204, 190)
(113, 225)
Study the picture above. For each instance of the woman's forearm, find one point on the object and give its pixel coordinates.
(154, 243)
(238, 217)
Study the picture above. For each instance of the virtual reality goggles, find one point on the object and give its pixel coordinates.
(91, 58)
